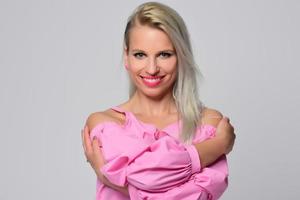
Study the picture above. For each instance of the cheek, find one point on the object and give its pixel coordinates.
(135, 69)
(169, 65)
(136, 65)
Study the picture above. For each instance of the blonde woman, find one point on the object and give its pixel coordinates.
(162, 143)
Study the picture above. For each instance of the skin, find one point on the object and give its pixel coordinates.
(151, 53)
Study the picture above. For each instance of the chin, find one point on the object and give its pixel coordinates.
(153, 92)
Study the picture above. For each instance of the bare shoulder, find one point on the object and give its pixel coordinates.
(211, 116)
(102, 116)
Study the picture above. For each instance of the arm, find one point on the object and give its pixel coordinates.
(169, 155)
(93, 152)
(208, 184)
(212, 149)
(212, 180)
(171, 158)
(209, 151)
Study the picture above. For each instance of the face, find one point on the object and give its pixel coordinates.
(151, 60)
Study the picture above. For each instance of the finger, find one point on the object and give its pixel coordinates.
(231, 129)
(83, 145)
(223, 124)
(100, 143)
(82, 135)
(97, 151)
(226, 119)
(87, 140)
(95, 144)
(82, 140)
(228, 124)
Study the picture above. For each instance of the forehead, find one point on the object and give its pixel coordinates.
(144, 37)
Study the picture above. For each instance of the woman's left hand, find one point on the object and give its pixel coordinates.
(96, 159)
(93, 152)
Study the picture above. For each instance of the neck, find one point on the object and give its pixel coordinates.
(158, 106)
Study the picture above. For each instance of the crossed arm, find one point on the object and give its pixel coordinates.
(208, 151)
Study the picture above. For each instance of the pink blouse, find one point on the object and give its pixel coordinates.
(155, 164)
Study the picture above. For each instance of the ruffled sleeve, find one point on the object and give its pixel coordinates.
(165, 164)
(213, 178)
(162, 168)
(207, 184)
(154, 166)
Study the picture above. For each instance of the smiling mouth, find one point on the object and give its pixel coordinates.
(152, 81)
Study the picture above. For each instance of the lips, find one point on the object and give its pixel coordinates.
(152, 81)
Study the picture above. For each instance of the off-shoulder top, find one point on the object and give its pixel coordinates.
(154, 164)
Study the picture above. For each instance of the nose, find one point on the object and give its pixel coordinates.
(152, 67)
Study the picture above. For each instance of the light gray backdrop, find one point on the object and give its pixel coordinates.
(61, 60)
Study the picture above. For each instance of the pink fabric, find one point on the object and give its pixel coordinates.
(154, 164)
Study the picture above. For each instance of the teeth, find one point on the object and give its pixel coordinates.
(152, 80)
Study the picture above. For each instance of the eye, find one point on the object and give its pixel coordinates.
(165, 55)
(139, 55)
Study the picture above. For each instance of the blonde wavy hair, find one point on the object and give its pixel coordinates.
(185, 90)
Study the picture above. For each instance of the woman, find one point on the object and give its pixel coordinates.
(162, 143)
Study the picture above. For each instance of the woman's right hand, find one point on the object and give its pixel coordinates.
(225, 133)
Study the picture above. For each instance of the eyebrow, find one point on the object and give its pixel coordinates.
(166, 50)
(135, 50)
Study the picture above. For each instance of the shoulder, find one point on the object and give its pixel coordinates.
(102, 116)
(211, 116)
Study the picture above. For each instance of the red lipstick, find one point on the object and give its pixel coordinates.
(152, 81)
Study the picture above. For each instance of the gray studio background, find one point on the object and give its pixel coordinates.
(61, 60)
